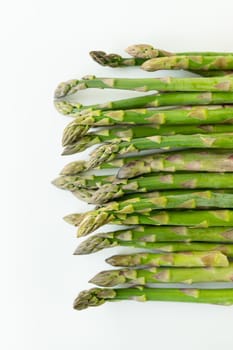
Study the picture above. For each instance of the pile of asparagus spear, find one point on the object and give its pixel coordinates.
(176, 197)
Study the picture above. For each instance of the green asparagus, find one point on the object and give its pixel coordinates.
(146, 51)
(114, 60)
(151, 234)
(185, 259)
(142, 277)
(146, 84)
(199, 160)
(98, 296)
(194, 218)
(161, 182)
(127, 134)
(166, 247)
(204, 199)
(169, 119)
(206, 160)
(148, 101)
(109, 151)
(189, 63)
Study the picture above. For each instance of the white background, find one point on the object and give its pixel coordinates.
(42, 43)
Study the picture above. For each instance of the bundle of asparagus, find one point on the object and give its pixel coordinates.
(176, 197)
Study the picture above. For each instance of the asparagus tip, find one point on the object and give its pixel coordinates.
(74, 168)
(94, 244)
(108, 278)
(65, 88)
(106, 193)
(92, 221)
(93, 297)
(74, 219)
(103, 154)
(73, 132)
(99, 57)
(142, 51)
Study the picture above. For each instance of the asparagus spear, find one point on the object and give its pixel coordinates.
(114, 60)
(152, 234)
(162, 181)
(86, 194)
(191, 160)
(110, 151)
(206, 160)
(185, 259)
(127, 134)
(176, 118)
(146, 51)
(166, 247)
(185, 275)
(204, 199)
(108, 187)
(194, 218)
(155, 100)
(146, 84)
(189, 63)
(98, 296)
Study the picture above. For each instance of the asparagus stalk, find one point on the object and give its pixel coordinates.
(161, 182)
(114, 60)
(195, 218)
(102, 216)
(185, 259)
(98, 296)
(148, 101)
(169, 119)
(127, 134)
(110, 151)
(207, 160)
(146, 51)
(152, 234)
(166, 247)
(221, 84)
(189, 63)
(86, 194)
(108, 187)
(142, 277)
